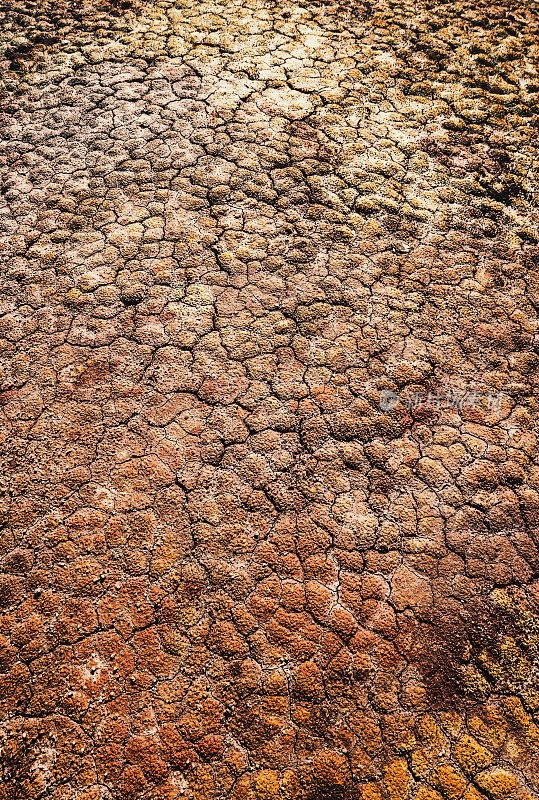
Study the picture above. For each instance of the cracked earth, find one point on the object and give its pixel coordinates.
(229, 571)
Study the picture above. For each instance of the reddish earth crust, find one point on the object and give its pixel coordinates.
(228, 231)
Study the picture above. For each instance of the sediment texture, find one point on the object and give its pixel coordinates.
(228, 569)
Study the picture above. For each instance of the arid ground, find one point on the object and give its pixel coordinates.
(269, 400)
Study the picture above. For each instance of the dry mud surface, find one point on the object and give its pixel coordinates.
(269, 363)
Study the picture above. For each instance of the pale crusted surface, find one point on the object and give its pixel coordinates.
(227, 571)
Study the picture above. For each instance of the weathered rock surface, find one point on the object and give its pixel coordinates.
(269, 350)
